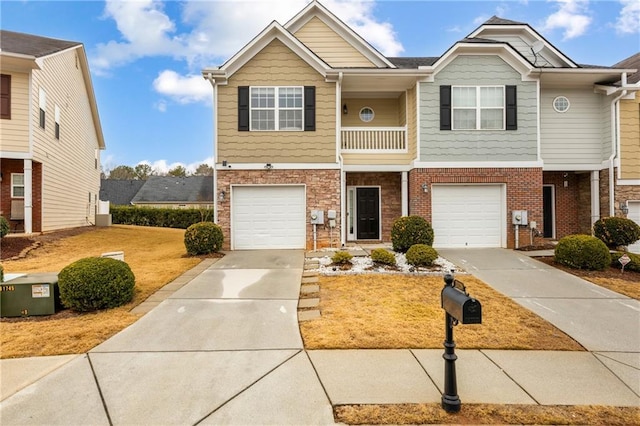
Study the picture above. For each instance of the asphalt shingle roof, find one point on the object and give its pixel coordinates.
(495, 20)
(632, 62)
(169, 189)
(32, 45)
(412, 62)
(119, 192)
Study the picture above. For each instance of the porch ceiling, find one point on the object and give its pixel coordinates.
(361, 83)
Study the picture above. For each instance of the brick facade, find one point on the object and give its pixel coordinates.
(322, 191)
(390, 193)
(9, 166)
(572, 202)
(524, 191)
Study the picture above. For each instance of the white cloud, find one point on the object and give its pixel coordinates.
(162, 166)
(628, 21)
(215, 30)
(183, 89)
(572, 17)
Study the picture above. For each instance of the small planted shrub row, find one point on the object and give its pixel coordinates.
(341, 258)
(159, 217)
(95, 283)
(383, 256)
(4, 227)
(421, 255)
(410, 230)
(616, 231)
(582, 252)
(203, 238)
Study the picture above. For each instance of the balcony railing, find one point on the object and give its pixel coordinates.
(372, 140)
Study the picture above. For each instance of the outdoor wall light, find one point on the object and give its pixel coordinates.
(222, 195)
(345, 111)
(624, 208)
(425, 188)
(268, 166)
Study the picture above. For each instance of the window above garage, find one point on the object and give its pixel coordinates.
(276, 108)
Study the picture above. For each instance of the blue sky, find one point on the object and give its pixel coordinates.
(146, 56)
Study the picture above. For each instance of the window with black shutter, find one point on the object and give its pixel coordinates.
(5, 96)
(445, 107)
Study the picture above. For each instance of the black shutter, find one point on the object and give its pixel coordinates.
(445, 107)
(512, 107)
(309, 108)
(5, 96)
(243, 108)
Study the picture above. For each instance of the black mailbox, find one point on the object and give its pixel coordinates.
(459, 305)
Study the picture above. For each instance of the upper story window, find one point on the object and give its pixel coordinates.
(367, 114)
(561, 104)
(478, 108)
(276, 108)
(5, 96)
(17, 185)
(42, 103)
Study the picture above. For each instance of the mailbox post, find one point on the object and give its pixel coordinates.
(459, 308)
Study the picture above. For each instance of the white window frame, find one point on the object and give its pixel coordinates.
(561, 98)
(14, 186)
(276, 108)
(478, 108)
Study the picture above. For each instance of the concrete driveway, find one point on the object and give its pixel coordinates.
(599, 319)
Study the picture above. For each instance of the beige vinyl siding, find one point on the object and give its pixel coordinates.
(630, 138)
(387, 112)
(578, 136)
(277, 65)
(14, 132)
(330, 46)
(69, 174)
(478, 145)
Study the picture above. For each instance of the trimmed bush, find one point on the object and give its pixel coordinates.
(96, 283)
(159, 217)
(341, 258)
(634, 265)
(410, 230)
(203, 238)
(616, 231)
(383, 256)
(421, 255)
(582, 252)
(1, 274)
(4, 227)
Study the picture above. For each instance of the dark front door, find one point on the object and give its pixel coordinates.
(368, 213)
(547, 211)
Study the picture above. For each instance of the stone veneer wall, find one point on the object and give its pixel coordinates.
(623, 193)
(322, 190)
(524, 191)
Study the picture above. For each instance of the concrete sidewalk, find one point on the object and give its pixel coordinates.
(225, 349)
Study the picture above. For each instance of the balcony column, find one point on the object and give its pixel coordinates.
(405, 194)
(28, 196)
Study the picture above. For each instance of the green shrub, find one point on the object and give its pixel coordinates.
(616, 231)
(383, 256)
(159, 217)
(582, 252)
(410, 230)
(96, 283)
(1, 274)
(4, 227)
(203, 238)
(633, 265)
(421, 255)
(341, 258)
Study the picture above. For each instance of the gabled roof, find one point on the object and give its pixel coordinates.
(32, 45)
(634, 63)
(28, 51)
(169, 189)
(119, 192)
(412, 62)
(495, 20)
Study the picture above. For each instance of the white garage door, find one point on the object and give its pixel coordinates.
(468, 215)
(268, 217)
(634, 214)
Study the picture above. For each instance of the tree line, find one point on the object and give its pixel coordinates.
(144, 171)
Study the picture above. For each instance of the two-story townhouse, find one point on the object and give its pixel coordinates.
(308, 116)
(50, 134)
(627, 176)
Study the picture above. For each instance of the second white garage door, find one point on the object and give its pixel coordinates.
(634, 214)
(268, 217)
(468, 215)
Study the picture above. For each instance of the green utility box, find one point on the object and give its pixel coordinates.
(31, 294)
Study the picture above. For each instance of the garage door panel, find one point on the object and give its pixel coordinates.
(634, 214)
(467, 215)
(267, 217)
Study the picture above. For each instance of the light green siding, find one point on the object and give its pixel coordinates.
(478, 145)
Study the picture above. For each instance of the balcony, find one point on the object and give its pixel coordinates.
(374, 140)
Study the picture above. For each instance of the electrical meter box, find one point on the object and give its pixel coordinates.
(317, 217)
(519, 217)
(31, 294)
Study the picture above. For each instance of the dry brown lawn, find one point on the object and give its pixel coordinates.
(384, 311)
(156, 257)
